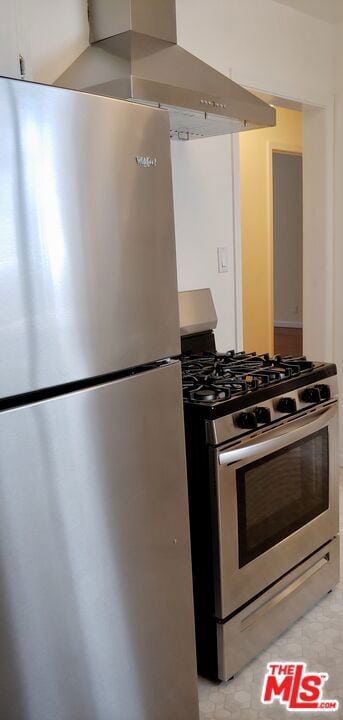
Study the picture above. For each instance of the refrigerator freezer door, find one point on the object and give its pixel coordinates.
(95, 576)
(87, 252)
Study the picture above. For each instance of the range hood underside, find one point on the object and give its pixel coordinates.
(139, 68)
(185, 122)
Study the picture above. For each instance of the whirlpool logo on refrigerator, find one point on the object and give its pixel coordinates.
(146, 161)
(298, 690)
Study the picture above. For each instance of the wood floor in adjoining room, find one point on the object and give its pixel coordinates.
(288, 341)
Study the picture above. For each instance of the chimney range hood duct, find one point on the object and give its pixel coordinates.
(134, 56)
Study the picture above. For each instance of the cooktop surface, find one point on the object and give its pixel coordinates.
(222, 382)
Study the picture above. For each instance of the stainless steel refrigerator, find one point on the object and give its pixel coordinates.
(96, 613)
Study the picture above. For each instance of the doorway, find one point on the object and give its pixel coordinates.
(287, 252)
(257, 149)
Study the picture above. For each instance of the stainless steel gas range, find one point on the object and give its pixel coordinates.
(263, 490)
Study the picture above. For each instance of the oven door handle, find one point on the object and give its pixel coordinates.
(288, 434)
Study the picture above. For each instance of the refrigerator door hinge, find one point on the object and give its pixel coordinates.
(22, 67)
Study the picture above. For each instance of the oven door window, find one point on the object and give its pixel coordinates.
(279, 494)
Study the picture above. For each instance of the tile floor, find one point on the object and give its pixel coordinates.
(316, 639)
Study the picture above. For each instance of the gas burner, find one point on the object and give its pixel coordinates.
(235, 382)
(197, 364)
(232, 357)
(212, 377)
(208, 393)
(301, 363)
(273, 373)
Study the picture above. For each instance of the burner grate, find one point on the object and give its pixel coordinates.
(212, 377)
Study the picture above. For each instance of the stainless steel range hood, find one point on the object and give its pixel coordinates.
(134, 56)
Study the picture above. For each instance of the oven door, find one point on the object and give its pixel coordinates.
(275, 503)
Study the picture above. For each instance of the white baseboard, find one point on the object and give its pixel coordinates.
(288, 324)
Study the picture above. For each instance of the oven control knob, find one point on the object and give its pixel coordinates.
(287, 405)
(246, 421)
(311, 395)
(325, 393)
(262, 415)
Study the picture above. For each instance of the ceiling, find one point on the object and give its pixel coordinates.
(329, 10)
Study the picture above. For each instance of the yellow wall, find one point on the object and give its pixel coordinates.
(256, 223)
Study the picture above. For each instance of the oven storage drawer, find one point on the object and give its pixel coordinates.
(242, 637)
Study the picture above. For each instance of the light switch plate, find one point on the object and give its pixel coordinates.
(223, 259)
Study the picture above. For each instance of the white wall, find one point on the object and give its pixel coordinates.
(266, 45)
(263, 45)
(318, 190)
(203, 206)
(52, 34)
(338, 250)
(9, 47)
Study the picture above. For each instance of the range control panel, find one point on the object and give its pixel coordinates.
(256, 417)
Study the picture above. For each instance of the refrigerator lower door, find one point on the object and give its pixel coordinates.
(95, 573)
